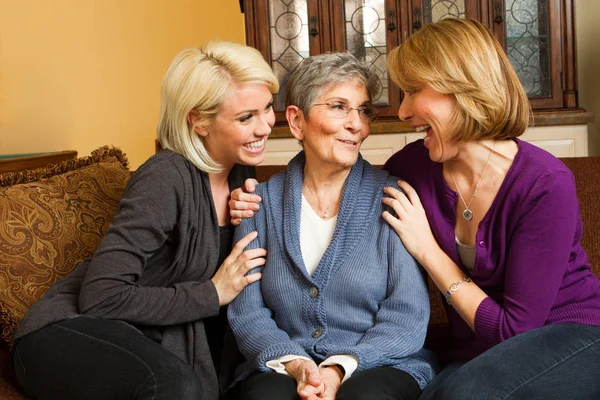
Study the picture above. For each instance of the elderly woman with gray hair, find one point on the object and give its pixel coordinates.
(341, 311)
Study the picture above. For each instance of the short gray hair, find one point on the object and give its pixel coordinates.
(316, 73)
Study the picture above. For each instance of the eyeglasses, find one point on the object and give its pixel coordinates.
(340, 110)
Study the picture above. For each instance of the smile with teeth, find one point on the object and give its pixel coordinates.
(422, 128)
(352, 142)
(255, 145)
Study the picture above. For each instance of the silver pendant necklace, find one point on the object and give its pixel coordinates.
(467, 213)
(324, 212)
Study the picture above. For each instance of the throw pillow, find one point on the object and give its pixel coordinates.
(52, 219)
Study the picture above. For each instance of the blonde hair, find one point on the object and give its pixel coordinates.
(461, 57)
(200, 79)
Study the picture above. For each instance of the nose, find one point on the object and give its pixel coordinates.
(265, 123)
(404, 112)
(354, 123)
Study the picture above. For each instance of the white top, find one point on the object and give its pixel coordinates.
(315, 236)
(466, 254)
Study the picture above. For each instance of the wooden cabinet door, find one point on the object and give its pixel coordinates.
(530, 32)
(368, 29)
(538, 36)
(286, 32)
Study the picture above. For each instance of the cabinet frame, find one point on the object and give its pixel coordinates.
(331, 36)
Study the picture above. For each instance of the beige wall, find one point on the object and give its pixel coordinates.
(588, 58)
(78, 74)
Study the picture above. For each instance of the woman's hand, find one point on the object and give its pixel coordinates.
(242, 203)
(411, 223)
(308, 378)
(331, 377)
(230, 279)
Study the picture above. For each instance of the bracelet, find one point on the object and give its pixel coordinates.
(454, 287)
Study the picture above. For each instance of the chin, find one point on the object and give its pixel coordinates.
(252, 160)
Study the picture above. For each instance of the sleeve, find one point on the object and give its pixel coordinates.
(401, 322)
(258, 336)
(348, 363)
(537, 258)
(278, 366)
(148, 213)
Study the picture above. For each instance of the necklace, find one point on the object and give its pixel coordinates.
(324, 212)
(467, 213)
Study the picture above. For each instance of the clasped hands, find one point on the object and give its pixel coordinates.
(314, 383)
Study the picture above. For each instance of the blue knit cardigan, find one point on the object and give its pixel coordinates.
(367, 297)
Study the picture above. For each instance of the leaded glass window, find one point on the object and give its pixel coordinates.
(366, 38)
(288, 26)
(528, 45)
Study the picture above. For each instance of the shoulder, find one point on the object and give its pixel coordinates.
(537, 180)
(165, 164)
(377, 177)
(164, 173)
(412, 160)
(534, 166)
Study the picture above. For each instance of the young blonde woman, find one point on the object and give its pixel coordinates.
(143, 318)
(495, 222)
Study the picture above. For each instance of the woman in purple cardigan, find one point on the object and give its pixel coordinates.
(495, 222)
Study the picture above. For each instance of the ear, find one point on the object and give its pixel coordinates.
(296, 121)
(197, 122)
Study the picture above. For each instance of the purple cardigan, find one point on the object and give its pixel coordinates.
(529, 257)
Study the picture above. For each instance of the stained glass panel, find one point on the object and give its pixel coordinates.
(288, 26)
(436, 10)
(528, 45)
(366, 38)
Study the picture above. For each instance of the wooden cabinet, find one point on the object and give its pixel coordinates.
(538, 36)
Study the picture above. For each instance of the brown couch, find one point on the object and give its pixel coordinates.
(81, 196)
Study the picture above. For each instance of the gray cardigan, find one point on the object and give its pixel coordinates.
(154, 264)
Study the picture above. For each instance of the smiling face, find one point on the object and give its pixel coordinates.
(329, 141)
(431, 113)
(240, 129)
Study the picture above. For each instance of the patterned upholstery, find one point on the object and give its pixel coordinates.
(52, 219)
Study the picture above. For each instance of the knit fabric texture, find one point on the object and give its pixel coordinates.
(367, 297)
(529, 257)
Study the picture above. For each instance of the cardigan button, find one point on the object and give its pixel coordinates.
(313, 292)
(482, 244)
(317, 333)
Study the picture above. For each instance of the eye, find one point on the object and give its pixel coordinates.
(366, 111)
(411, 91)
(245, 118)
(338, 106)
(270, 105)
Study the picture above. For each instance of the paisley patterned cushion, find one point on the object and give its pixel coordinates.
(50, 220)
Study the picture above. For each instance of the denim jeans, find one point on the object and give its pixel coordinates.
(93, 358)
(559, 362)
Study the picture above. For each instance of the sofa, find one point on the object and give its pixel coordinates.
(54, 216)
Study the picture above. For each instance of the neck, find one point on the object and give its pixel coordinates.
(470, 159)
(219, 186)
(323, 181)
(220, 178)
(323, 189)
